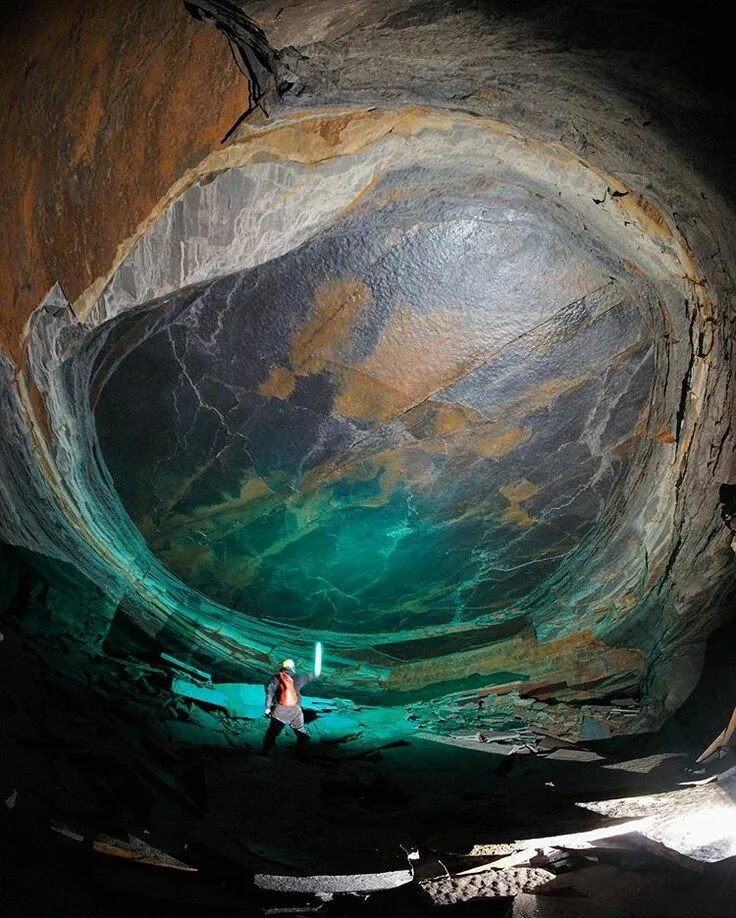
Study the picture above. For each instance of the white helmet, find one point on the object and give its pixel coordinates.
(288, 664)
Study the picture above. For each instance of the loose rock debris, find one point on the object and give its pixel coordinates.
(209, 810)
(494, 883)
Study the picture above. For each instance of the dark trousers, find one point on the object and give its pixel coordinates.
(281, 717)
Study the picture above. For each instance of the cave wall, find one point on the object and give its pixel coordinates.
(105, 107)
(144, 211)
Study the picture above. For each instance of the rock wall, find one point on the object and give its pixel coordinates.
(431, 360)
(104, 110)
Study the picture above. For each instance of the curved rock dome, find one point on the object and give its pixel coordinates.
(407, 422)
(423, 370)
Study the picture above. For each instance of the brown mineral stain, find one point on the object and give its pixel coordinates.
(38, 406)
(253, 488)
(494, 445)
(440, 429)
(307, 514)
(416, 355)
(363, 197)
(365, 398)
(327, 333)
(542, 396)
(654, 574)
(368, 199)
(576, 659)
(390, 467)
(631, 266)
(280, 383)
(516, 493)
(396, 193)
(309, 138)
(98, 127)
(628, 446)
(626, 602)
(664, 436)
(439, 419)
(303, 137)
(450, 427)
(332, 131)
(208, 517)
(186, 555)
(648, 217)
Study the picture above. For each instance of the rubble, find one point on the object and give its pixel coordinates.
(199, 693)
(134, 849)
(343, 883)
(510, 881)
(694, 824)
(650, 763)
(606, 891)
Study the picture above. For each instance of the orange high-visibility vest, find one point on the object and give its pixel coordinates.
(286, 693)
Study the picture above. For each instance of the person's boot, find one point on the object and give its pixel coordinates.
(302, 746)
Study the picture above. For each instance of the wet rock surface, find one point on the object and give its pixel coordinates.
(429, 359)
(440, 386)
(296, 468)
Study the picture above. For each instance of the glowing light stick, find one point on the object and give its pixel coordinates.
(317, 658)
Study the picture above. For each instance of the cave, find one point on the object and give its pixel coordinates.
(394, 339)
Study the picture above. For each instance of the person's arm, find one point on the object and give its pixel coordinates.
(301, 681)
(270, 689)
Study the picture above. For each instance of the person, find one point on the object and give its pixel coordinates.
(284, 706)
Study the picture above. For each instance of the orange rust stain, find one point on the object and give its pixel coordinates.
(461, 428)
(308, 138)
(241, 510)
(626, 602)
(495, 445)
(417, 121)
(439, 419)
(649, 218)
(362, 198)
(280, 383)
(664, 436)
(576, 659)
(325, 336)
(541, 396)
(416, 355)
(627, 447)
(654, 575)
(366, 398)
(516, 493)
(106, 106)
(331, 131)
(389, 195)
(392, 469)
(389, 467)
(631, 266)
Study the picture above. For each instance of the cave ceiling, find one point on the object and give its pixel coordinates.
(432, 363)
(405, 423)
